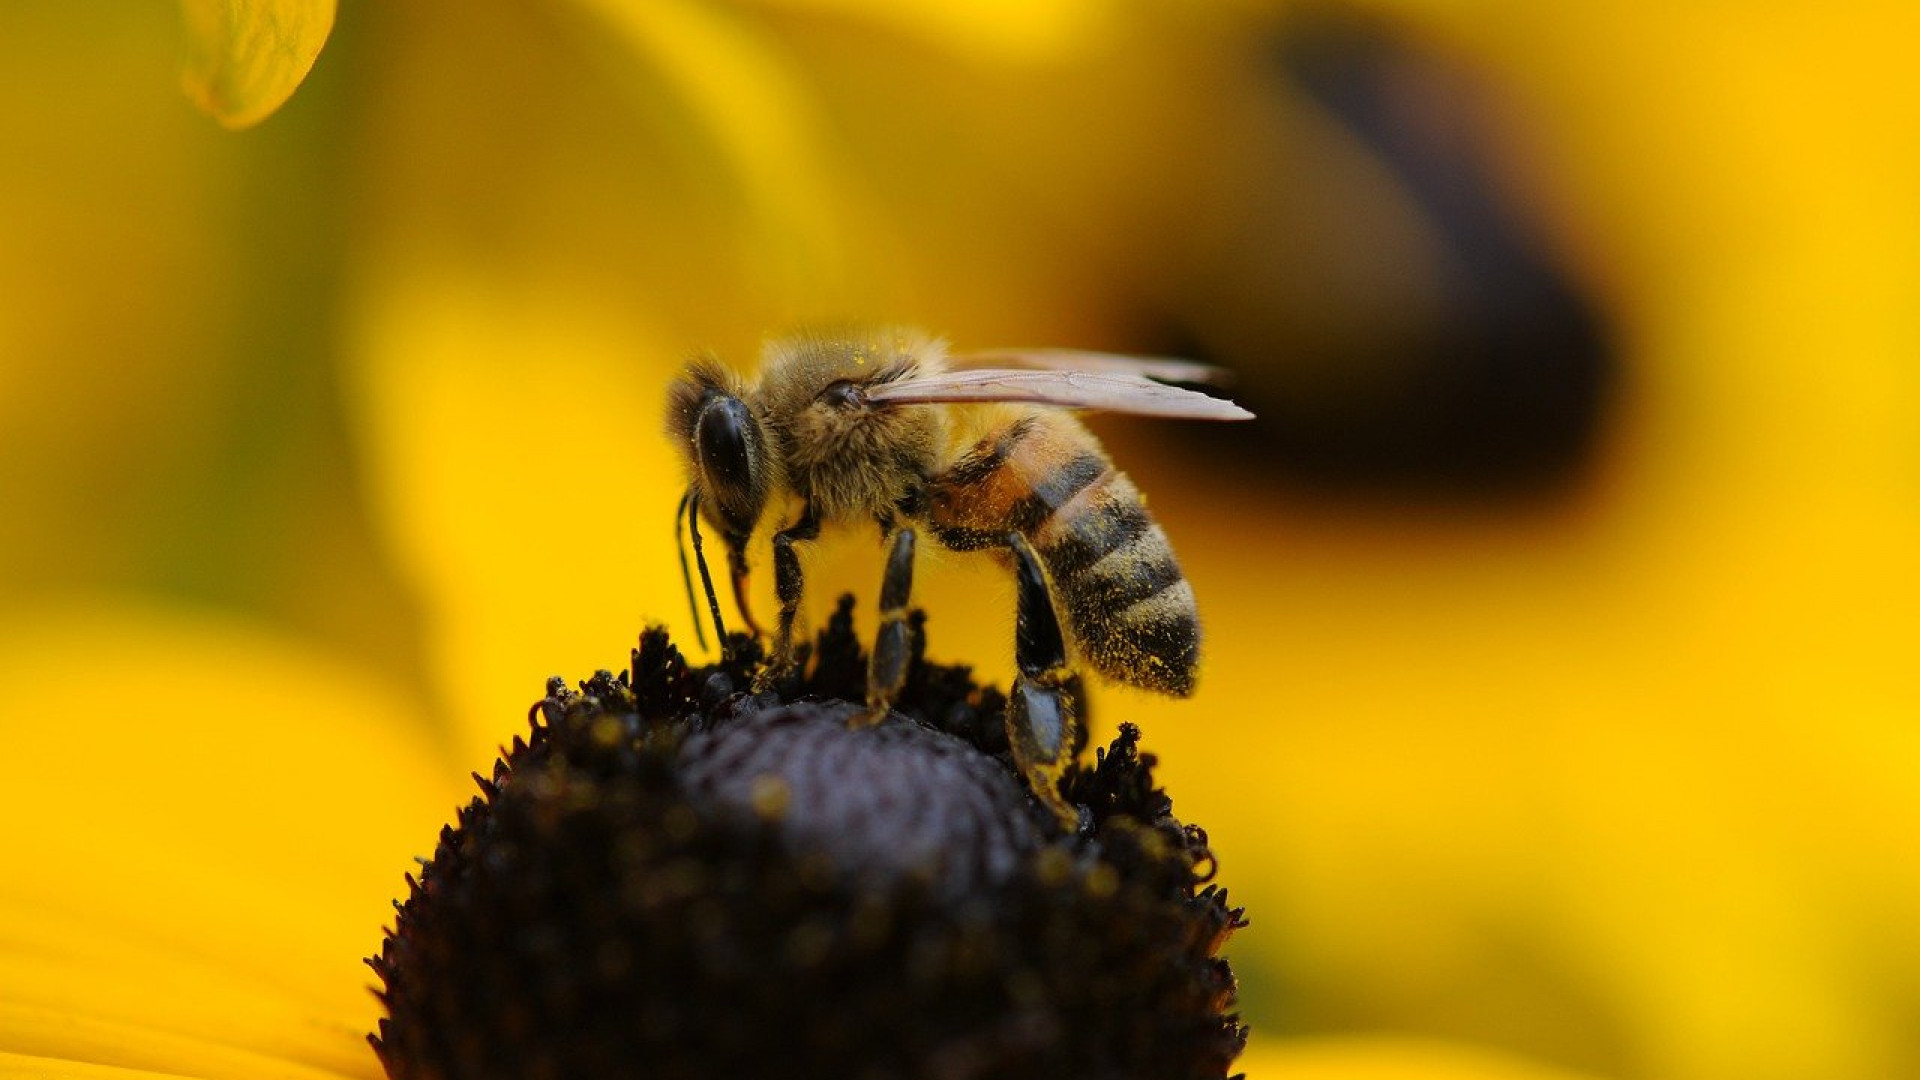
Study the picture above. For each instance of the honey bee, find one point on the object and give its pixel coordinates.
(882, 428)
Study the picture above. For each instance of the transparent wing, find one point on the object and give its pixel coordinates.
(1112, 391)
(1165, 368)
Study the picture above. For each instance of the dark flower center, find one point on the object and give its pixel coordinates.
(671, 879)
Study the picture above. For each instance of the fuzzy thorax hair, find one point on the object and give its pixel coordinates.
(856, 462)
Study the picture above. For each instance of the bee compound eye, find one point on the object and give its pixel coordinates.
(724, 437)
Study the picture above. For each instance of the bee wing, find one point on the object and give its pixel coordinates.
(1164, 368)
(1113, 391)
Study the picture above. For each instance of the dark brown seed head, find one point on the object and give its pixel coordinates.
(670, 879)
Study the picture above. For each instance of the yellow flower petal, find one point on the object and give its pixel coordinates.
(994, 30)
(31, 1067)
(63, 1033)
(246, 57)
(1387, 1058)
(762, 118)
(525, 484)
(1633, 778)
(222, 820)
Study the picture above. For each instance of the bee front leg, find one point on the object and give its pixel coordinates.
(893, 645)
(789, 587)
(1043, 715)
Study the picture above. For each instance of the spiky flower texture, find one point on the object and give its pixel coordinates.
(671, 879)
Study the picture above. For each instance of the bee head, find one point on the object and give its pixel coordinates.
(726, 450)
(729, 452)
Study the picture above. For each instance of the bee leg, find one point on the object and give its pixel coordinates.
(737, 566)
(787, 585)
(893, 645)
(1043, 715)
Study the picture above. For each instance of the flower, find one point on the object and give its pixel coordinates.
(214, 859)
(750, 887)
(337, 417)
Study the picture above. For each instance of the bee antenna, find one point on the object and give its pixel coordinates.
(686, 575)
(706, 578)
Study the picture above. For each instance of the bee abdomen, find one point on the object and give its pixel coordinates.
(1116, 585)
(1125, 599)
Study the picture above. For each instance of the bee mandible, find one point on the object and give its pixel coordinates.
(882, 428)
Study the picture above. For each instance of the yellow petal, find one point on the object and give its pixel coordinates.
(57, 1033)
(1631, 778)
(749, 100)
(525, 484)
(245, 58)
(1387, 1058)
(991, 30)
(32, 1067)
(221, 819)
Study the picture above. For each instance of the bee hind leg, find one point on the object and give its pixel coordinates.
(1044, 713)
(893, 645)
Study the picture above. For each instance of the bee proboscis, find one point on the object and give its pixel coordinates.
(882, 428)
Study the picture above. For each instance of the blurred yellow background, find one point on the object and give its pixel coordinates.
(1560, 712)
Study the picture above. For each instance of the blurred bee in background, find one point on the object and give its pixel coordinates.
(879, 428)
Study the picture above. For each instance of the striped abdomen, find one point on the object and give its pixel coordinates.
(1116, 584)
